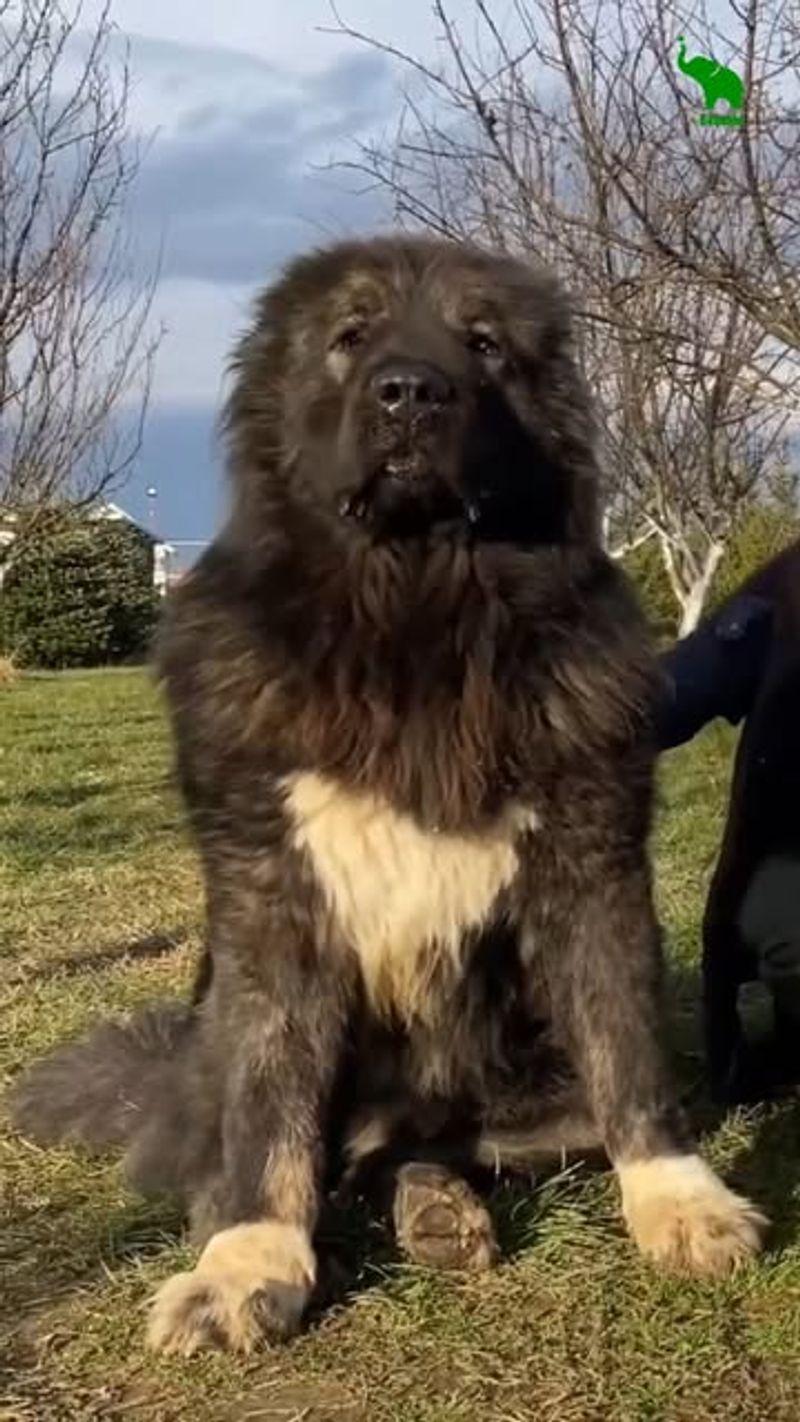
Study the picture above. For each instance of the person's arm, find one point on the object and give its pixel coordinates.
(715, 671)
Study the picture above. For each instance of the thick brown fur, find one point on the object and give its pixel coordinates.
(410, 700)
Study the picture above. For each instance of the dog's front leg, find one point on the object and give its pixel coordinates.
(599, 938)
(272, 1025)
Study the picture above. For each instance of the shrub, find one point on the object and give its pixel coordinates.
(645, 566)
(80, 594)
(761, 533)
(759, 536)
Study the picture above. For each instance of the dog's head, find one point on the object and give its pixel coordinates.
(404, 385)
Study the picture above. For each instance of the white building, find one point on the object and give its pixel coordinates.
(163, 553)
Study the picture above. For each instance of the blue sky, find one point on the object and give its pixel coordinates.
(241, 102)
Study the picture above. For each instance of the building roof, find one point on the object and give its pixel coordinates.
(101, 510)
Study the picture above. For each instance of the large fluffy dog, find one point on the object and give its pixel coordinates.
(409, 695)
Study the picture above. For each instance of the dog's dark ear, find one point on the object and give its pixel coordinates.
(584, 523)
(251, 423)
(568, 412)
(572, 421)
(251, 414)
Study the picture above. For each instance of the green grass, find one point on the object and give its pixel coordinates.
(96, 875)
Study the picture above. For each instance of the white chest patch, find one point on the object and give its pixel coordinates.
(403, 897)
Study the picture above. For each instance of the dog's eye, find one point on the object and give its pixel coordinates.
(483, 344)
(349, 337)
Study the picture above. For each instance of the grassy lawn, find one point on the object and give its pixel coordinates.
(100, 910)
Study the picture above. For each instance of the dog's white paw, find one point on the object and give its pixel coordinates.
(251, 1283)
(683, 1217)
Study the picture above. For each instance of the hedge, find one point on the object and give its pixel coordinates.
(79, 595)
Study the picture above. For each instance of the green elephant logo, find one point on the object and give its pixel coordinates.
(717, 83)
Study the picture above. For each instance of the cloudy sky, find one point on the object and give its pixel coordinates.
(243, 102)
(244, 105)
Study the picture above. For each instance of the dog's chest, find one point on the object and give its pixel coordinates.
(404, 898)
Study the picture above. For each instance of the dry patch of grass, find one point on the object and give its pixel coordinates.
(100, 911)
(8, 672)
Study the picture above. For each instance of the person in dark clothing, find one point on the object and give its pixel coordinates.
(714, 672)
(743, 664)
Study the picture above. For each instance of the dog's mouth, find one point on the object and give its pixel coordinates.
(406, 468)
(406, 493)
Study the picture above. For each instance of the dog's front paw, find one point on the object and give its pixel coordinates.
(683, 1217)
(251, 1283)
(440, 1222)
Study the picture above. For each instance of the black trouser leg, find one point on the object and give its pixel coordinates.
(769, 922)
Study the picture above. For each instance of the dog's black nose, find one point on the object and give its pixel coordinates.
(410, 385)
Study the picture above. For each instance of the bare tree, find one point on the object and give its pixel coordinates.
(76, 349)
(692, 436)
(569, 133)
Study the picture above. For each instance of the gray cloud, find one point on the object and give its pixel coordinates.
(231, 189)
(364, 70)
